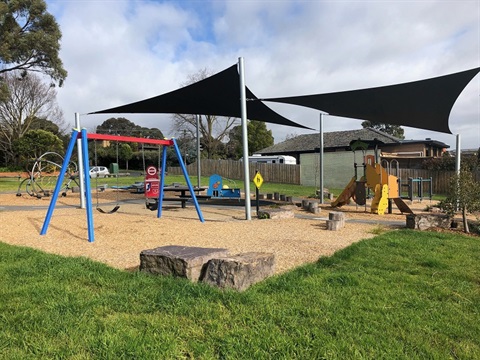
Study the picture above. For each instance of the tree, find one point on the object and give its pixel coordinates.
(213, 129)
(30, 39)
(464, 194)
(259, 137)
(394, 130)
(125, 127)
(29, 99)
(127, 151)
(35, 143)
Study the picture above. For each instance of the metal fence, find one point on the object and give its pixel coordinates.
(231, 169)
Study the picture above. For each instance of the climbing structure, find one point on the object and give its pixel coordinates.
(384, 185)
(378, 178)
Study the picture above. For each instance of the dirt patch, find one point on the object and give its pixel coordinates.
(120, 237)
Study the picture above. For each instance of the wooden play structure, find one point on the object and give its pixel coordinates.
(378, 178)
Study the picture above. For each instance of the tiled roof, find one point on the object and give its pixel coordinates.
(335, 139)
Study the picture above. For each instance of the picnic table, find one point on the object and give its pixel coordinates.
(181, 193)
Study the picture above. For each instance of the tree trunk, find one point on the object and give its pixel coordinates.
(465, 221)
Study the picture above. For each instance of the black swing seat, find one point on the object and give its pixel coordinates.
(108, 212)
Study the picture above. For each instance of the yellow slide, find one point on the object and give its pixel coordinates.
(380, 200)
(346, 194)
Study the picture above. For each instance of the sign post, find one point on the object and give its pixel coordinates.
(152, 183)
(258, 181)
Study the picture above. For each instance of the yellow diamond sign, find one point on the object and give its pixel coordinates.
(258, 180)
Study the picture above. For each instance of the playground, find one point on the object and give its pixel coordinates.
(120, 237)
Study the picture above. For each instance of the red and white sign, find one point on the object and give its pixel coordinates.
(151, 172)
(152, 183)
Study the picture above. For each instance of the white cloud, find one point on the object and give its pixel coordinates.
(123, 51)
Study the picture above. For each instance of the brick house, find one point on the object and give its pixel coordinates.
(339, 159)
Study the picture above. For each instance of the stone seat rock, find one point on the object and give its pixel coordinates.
(239, 271)
(179, 261)
(427, 221)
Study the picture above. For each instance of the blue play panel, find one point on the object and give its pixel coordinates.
(216, 189)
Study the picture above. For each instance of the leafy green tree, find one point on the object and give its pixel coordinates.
(29, 99)
(125, 153)
(47, 125)
(128, 151)
(259, 137)
(34, 143)
(30, 39)
(464, 194)
(125, 127)
(394, 130)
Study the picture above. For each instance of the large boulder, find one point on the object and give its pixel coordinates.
(428, 221)
(180, 261)
(239, 271)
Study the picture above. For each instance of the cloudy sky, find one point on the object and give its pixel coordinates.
(121, 51)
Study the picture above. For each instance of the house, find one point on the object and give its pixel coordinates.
(340, 163)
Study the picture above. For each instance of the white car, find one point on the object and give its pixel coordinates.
(99, 172)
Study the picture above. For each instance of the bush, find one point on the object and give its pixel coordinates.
(463, 194)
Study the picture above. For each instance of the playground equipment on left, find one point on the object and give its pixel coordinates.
(44, 173)
(83, 136)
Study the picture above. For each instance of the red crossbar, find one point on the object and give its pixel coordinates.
(93, 136)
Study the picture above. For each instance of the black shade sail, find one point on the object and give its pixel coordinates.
(218, 95)
(424, 104)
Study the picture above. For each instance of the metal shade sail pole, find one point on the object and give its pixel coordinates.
(197, 120)
(458, 156)
(243, 110)
(321, 158)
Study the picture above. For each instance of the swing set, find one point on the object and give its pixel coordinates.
(83, 136)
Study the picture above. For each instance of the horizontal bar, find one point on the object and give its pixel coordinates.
(92, 136)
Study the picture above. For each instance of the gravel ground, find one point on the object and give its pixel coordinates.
(120, 237)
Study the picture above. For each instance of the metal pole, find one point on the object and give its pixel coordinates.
(321, 159)
(81, 176)
(187, 180)
(457, 167)
(197, 118)
(59, 183)
(457, 156)
(185, 147)
(88, 192)
(243, 110)
(162, 178)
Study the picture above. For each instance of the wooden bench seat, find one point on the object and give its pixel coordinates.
(182, 199)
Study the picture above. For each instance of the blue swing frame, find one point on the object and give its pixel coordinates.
(84, 136)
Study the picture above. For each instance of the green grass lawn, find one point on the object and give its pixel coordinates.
(401, 295)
